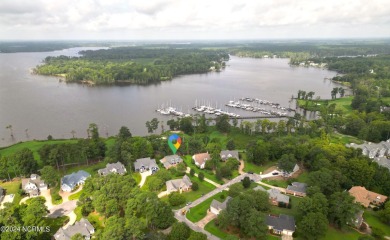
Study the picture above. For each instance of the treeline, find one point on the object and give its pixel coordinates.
(132, 64)
(36, 46)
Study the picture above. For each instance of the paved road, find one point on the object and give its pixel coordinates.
(62, 209)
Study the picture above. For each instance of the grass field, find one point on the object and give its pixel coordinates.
(207, 174)
(343, 104)
(333, 234)
(75, 196)
(213, 229)
(34, 146)
(344, 139)
(372, 219)
(77, 211)
(11, 187)
(137, 177)
(250, 167)
(199, 212)
(276, 183)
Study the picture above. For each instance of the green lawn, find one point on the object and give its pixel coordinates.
(276, 183)
(137, 177)
(213, 229)
(344, 139)
(199, 212)
(293, 211)
(34, 146)
(302, 177)
(250, 167)
(91, 169)
(77, 211)
(207, 174)
(11, 187)
(204, 187)
(372, 219)
(54, 193)
(343, 104)
(333, 234)
(75, 196)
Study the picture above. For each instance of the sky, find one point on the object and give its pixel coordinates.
(192, 19)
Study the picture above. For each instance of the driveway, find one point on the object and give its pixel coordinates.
(72, 219)
(47, 196)
(62, 209)
(144, 175)
(270, 174)
(209, 217)
(7, 199)
(65, 195)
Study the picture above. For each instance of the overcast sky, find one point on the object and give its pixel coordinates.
(193, 19)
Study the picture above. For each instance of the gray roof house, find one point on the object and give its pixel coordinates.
(276, 197)
(357, 219)
(170, 161)
(84, 227)
(69, 182)
(145, 164)
(383, 161)
(281, 225)
(183, 184)
(117, 168)
(373, 150)
(216, 207)
(33, 185)
(289, 174)
(226, 154)
(297, 189)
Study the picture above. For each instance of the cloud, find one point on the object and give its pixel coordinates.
(193, 18)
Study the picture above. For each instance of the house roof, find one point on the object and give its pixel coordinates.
(201, 158)
(34, 179)
(74, 178)
(177, 184)
(145, 162)
(220, 205)
(167, 161)
(281, 222)
(297, 187)
(365, 197)
(225, 154)
(83, 226)
(117, 167)
(383, 161)
(275, 193)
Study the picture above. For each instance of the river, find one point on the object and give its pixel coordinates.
(38, 106)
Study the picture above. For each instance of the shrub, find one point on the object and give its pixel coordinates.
(195, 186)
(201, 176)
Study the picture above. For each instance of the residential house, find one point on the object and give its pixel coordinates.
(200, 159)
(84, 227)
(383, 161)
(281, 225)
(2, 193)
(171, 161)
(275, 196)
(365, 197)
(373, 150)
(145, 164)
(289, 174)
(117, 168)
(357, 220)
(226, 154)
(69, 182)
(33, 185)
(180, 185)
(297, 189)
(216, 207)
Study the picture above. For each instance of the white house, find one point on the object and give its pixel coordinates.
(33, 185)
(200, 159)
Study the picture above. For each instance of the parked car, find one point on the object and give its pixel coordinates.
(275, 173)
(250, 172)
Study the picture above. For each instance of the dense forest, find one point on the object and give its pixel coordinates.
(133, 64)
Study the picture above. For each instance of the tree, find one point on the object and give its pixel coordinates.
(230, 145)
(235, 190)
(246, 182)
(313, 226)
(197, 236)
(317, 203)
(155, 184)
(192, 172)
(181, 167)
(384, 214)
(254, 225)
(185, 125)
(50, 175)
(258, 152)
(180, 231)
(124, 133)
(50, 137)
(222, 123)
(341, 208)
(287, 162)
(172, 124)
(10, 130)
(176, 199)
(195, 186)
(201, 176)
(24, 162)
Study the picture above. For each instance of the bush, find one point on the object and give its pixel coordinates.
(246, 182)
(201, 176)
(222, 197)
(195, 186)
(176, 199)
(192, 172)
